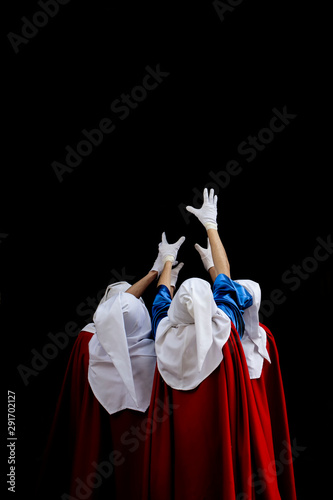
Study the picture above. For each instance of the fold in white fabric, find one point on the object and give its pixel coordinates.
(189, 340)
(89, 328)
(254, 338)
(122, 356)
(111, 291)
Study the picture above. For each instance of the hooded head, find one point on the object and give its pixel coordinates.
(193, 297)
(194, 304)
(112, 290)
(189, 340)
(121, 322)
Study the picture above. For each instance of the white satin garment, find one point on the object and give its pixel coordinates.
(122, 356)
(254, 338)
(189, 340)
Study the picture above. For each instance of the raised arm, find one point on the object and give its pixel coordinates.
(165, 278)
(140, 286)
(214, 257)
(168, 253)
(220, 259)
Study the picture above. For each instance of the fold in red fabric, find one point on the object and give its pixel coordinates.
(91, 454)
(270, 399)
(227, 439)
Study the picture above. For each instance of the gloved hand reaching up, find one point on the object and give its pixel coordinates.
(166, 252)
(206, 255)
(169, 251)
(207, 259)
(174, 274)
(215, 252)
(207, 214)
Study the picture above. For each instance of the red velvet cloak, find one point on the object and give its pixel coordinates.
(91, 454)
(227, 439)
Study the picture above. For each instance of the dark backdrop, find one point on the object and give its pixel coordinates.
(224, 73)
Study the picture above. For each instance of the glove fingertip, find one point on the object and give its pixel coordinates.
(190, 209)
(205, 195)
(212, 196)
(180, 241)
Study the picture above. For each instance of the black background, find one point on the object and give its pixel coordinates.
(62, 242)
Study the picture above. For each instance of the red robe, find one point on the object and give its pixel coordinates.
(222, 439)
(91, 454)
(269, 396)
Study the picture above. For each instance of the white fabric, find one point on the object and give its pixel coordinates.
(122, 357)
(207, 214)
(89, 328)
(169, 251)
(112, 290)
(189, 340)
(206, 255)
(254, 338)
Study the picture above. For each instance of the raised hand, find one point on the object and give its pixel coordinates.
(168, 251)
(207, 214)
(174, 274)
(206, 255)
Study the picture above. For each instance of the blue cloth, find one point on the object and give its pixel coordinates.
(160, 306)
(229, 296)
(233, 299)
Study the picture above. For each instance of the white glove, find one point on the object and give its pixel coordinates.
(166, 252)
(207, 214)
(206, 255)
(158, 264)
(169, 251)
(174, 273)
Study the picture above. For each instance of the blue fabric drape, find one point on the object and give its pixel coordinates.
(233, 299)
(160, 306)
(230, 297)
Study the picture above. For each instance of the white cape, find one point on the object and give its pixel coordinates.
(122, 356)
(189, 340)
(254, 338)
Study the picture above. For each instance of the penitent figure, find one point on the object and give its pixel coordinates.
(96, 444)
(219, 380)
